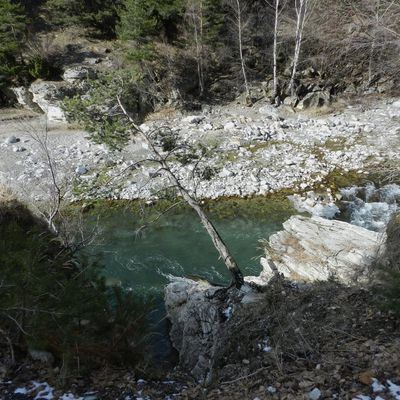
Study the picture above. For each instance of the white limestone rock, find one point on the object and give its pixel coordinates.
(311, 249)
(48, 96)
(193, 119)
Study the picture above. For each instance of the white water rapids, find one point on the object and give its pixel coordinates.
(371, 207)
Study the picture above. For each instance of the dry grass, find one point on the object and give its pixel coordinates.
(6, 195)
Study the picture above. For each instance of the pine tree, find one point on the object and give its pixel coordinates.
(100, 15)
(142, 19)
(13, 23)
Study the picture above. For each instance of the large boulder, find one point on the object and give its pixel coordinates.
(315, 99)
(25, 98)
(315, 249)
(48, 96)
(202, 318)
(194, 325)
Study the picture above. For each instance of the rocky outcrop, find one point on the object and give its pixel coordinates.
(312, 249)
(201, 316)
(48, 96)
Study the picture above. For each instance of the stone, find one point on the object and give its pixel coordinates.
(24, 98)
(229, 126)
(11, 140)
(77, 73)
(81, 170)
(290, 101)
(198, 323)
(42, 356)
(225, 173)
(48, 96)
(396, 104)
(193, 119)
(315, 100)
(315, 249)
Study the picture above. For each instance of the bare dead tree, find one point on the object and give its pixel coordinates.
(69, 230)
(219, 244)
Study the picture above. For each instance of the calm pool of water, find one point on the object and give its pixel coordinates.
(177, 244)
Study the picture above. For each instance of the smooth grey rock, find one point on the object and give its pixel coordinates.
(311, 249)
(11, 140)
(81, 170)
(225, 173)
(229, 126)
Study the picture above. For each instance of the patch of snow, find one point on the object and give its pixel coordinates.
(394, 390)
(362, 397)
(21, 391)
(264, 346)
(377, 386)
(315, 394)
(69, 396)
(271, 389)
(46, 393)
(228, 312)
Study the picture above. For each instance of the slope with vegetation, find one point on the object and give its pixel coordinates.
(186, 50)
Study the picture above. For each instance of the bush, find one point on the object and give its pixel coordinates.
(13, 23)
(52, 301)
(98, 15)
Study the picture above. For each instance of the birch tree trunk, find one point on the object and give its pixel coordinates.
(275, 74)
(301, 7)
(240, 42)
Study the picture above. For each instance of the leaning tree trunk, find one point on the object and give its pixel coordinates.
(219, 244)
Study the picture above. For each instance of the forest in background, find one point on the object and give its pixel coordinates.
(202, 49)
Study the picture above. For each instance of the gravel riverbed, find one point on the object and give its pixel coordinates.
(255, 151)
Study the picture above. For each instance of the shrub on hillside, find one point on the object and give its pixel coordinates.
(53, 301)
(13, 23)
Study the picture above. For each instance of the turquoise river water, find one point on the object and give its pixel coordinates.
(177, 244)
